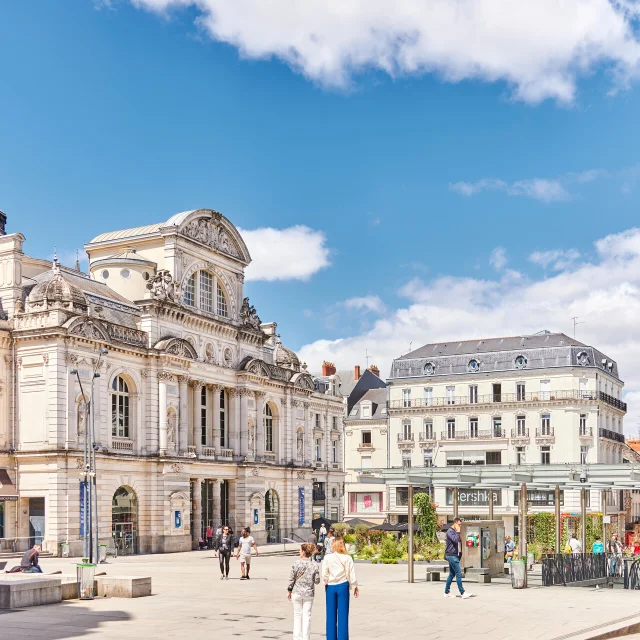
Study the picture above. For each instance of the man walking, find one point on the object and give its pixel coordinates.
(224, 545)
(244, 553)
(29, 562)
(452, 554)
(615, 555)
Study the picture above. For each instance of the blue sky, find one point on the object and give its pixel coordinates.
(116, 115)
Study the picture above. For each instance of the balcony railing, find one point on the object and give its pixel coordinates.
(208, 452)
(427, 437)
(502, 398)
(191, 451)
(121, 444)
(614, 402)
(546, 432)
(269, 457)
(585, 432)
(474, 434)
(226, 453)
(365, 445)
(611, 435)
(405, 437)
(319, 496)
(519, 433)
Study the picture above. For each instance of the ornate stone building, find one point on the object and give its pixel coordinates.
(201, 415)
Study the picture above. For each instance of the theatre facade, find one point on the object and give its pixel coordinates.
(201, 415)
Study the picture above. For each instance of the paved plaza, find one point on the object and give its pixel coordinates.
(191, 602)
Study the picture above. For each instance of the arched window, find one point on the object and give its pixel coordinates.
(268, 428)
(120, 408)
(203, 415)
(206, 291)
(189, 297)
(222, 301)
(223, 419)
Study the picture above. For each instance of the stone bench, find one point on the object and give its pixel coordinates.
(70, 587)
(434, 571)
(28, 590)
(123, 586)
(481, 575)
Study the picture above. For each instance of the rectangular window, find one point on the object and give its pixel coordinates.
(451, 428)
(222, 301)
(497, 393)
(521, 456)
(366, 438)
(451, 395)
(366, 411)
(406, 461)
(406, 397)
(318, 450)
(428, 458)
(473, 393)
(545, 390)
(268, 430)
(583, 424)
(494, 457)
(366, 502)
(428, 429)
(428, 396)
(584, 454)
(223, 421)
(473, 427)
(545, 424)
(521, 426)
(206, 291)
(366, 462)
(203, 416)
(545, 455)
(583, 389)
(189, 296)
(406, 430)
(497, 427)
(317, 421)
(520, 392)
(334, 451)
(335, 423)
(539, 498)
(454, 460)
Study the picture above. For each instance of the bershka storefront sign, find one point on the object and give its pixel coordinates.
(475, 497)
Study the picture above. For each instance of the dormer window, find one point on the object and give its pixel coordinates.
(366, 410)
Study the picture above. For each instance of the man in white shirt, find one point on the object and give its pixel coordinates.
(245, 543)
(575, 545)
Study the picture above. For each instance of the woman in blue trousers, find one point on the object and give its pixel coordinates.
(339, 577)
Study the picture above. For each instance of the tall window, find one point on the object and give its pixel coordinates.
(584, 454)
(521, 456)
(120, 408)
(451, 428)
(428, 458)
(545, 390)
(520, 392)
(428, 396)
(583, 424)
(451, 395)
(222, 301)
(521, 425)
(335, 423)
(406, 430)
(428, 429)
(406, 397)
(203, 415)
(268, 428)
(189, 296)
(318, 449)
(545, 455)
(473, 393)
(497, 427)
(223, 420)
(473, 427)
(206, 291)
(334, 451)
(545, 424)
(366, 438)
(406, 460)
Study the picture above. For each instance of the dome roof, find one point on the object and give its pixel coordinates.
(284, 357)
(53, 290)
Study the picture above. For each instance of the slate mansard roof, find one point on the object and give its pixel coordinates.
(542, 350)
(378, 399)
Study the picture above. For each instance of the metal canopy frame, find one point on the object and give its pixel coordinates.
(522, 478)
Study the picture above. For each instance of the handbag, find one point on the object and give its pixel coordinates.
(299, 573)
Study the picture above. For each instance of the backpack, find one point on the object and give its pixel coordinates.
(568, 548)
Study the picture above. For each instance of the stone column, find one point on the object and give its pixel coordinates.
(183, 417)
(217, 520)
(290, 438)
(162, 411)
(209, 416)
(197, 427)
(234, 431)
(244, 435)
(308, 434)
(196, 525)
(260, 445)
(215, 390)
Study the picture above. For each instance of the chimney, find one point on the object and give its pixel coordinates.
(356, 372)
(328, 368)
(374, 370)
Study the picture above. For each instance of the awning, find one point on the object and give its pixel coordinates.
(7, 488)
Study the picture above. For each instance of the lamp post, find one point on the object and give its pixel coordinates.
(90, 486)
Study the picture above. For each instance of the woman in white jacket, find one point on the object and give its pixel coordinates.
(339, 577)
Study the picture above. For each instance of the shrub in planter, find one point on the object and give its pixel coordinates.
(342, 528)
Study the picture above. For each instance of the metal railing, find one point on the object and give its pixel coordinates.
(427, 437)
(585, 432)
(520, 433)
(545, 432)
(405, 437)
(365, 445)
(561, 568)
(501, 398)
(474, 434)
(611, 435)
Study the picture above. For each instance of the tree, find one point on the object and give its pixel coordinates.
(426, 517)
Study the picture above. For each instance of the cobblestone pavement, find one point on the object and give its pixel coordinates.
(190, 602)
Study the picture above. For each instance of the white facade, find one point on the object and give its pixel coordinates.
(543, 399)
(201, 415)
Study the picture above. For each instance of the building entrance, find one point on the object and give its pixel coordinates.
(272, 516)
(124, 521)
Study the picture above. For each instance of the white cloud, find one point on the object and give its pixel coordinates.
(295, 253)
(498, 259)
(556, 259)
(489, 40)
(537, 188)
(605, 293)
(365, 303)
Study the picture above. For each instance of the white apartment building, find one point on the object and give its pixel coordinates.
(537, 399)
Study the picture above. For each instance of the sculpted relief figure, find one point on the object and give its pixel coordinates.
(249, 316)
(300, 443)
(210, 232)
(171, 427)
(163, 287)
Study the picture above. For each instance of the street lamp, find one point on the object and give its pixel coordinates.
(90, 485)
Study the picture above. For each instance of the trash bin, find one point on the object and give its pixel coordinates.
(518, 574)
(530, 561)
(64, 550)
(86, 575)
(102, 552)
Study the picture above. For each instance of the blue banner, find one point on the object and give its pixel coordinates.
(300, 506)
(83, 516)
(177, 518)
(256, 517)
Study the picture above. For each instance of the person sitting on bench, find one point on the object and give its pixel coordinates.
(29, 563)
